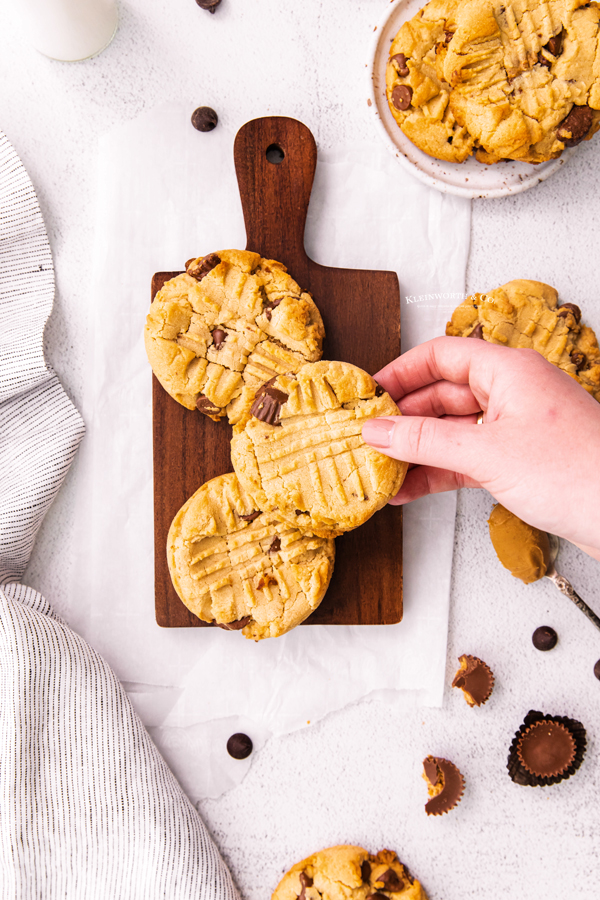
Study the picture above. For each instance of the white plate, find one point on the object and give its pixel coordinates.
(468, 179)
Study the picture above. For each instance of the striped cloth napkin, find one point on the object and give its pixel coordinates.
(88, 807)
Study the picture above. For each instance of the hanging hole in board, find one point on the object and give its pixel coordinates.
(275, 154)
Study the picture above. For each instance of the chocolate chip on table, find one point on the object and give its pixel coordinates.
(597, 670)
(206, 265)
(544, 638)
(401, 96)
(204, 118)
(400, 59)
(251, 516)
(219, 337)
(578, 359)
(239, 745)
(566, 308)
(477, 332)
(210, 5)
(206, 406)
(574, 128)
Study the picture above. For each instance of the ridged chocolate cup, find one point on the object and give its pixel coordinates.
(475, 680)
(436, 768)
(518, 771)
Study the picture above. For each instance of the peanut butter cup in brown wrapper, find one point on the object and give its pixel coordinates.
(475, 679)
(444, 783)
(546, 749)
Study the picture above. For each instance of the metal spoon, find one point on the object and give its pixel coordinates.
(564, 586)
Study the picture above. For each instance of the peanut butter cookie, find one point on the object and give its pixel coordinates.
(244, 569)
(516, 80)
(230, 323)
(349, 873)
(526, 313)
(301, 451)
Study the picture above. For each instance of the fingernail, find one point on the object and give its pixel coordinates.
(378, 432)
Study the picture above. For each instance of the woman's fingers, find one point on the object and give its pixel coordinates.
(440, 399)
(423, 480)
(430, 442)
(460, 360)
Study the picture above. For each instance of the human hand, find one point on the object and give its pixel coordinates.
(537, 453)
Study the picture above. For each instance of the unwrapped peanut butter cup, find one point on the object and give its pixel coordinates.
(546, 749)
(444, 783)
(475, 679)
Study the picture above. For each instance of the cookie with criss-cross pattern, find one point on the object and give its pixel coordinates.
(509, 80)
(240, 568)
(231, 322)
(349, 873)
(527, 313)
(300, 450)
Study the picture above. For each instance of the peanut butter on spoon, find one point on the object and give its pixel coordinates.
(521, 548)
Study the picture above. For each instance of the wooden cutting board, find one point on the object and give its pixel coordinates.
(275, 160)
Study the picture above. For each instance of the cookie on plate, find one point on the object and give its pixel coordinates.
(301, 451)
(514, 81)
(240, 568)
(527, 314)
(349, 873)
(231, 322)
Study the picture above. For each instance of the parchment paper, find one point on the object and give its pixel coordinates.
(167, 193)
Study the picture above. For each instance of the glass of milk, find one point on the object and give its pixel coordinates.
(70, 30)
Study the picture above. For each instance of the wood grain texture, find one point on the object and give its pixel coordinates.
(361, 312)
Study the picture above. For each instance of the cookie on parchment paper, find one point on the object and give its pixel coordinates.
(516, 80)
(301, 451)
(240, 568)
(526, 313)
(349, 873)
(231, 322)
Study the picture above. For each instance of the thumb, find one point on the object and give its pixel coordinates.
(429, 441)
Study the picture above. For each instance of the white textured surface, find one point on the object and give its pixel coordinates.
(356, 776)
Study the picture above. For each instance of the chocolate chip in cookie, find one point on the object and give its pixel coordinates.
(234, 626)
(200, 267)
(267, 404)
(401, 96)
(390, 881)
(566, 308)
(578, 359)
(219, 337)
(574, 128)
(477, 332)
(206, 406)
(400, 60)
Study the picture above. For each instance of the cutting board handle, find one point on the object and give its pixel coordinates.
(275, 160)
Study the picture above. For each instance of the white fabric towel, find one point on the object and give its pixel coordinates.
(88, 808)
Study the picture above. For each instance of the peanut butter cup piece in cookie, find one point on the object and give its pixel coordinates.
(525, 313)
(445, 785)
(300, 449)
(475, 679)
(231, 322)
(243, 569)
(349, 873)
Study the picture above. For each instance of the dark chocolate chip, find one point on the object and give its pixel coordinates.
(206, 265)
(275, 545)
(239, 746)
(377, 897)
(210, 5)
(219, 337)
(267, 403)
(555, 44)
(578, 359)
(391, 881)
(234, 626)
(567, 308)
(251, 516)
(379, 391)
(597, 670)
(448, 35)
(206, 406)
(204, 118)
(270, 307)
(574, 128)
(400, 59)
(300, 512)
(544, 638)
(365, 870)
(543, 60)
(477, 332)
(305, 881)
(401, 96)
